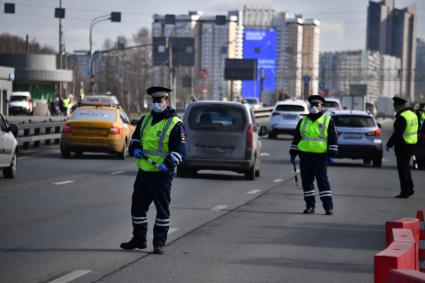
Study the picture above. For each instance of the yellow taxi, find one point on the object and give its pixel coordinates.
(96, 129)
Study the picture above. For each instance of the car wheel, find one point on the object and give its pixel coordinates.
(250, 173)
(366, 161)
(124, 153)
(79, 153)
(185, 172)
(65, 153)
(272, 135)
(10, 171)
(257, 173)
(377, 162)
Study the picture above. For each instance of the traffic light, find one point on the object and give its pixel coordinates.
(60, 13)
(116, 17)
(9, 8)
(92, 79)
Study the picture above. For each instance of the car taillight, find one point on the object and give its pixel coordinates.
(374, 133)
(114, 131)
(66, 128)
(250, 137)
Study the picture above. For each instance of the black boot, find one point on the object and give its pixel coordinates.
(133, 244)
(309, 210)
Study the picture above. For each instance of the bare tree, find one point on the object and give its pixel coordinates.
(15, 44)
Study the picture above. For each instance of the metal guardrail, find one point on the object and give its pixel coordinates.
(262, 115)
(37, 130)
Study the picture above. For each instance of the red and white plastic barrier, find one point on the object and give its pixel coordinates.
(421, 246)
(405, 276)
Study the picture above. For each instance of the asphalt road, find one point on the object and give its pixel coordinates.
(64, 219)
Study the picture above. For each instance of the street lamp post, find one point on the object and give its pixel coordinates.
(113, 17)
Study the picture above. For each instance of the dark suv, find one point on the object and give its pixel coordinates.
(222, 136)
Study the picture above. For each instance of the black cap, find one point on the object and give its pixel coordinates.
(399, 101)
(313, 99)
(158, 91)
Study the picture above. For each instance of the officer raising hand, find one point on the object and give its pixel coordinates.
(159, 145)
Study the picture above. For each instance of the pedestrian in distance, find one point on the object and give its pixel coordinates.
(315, 141)
(404, 139)
(159, 145)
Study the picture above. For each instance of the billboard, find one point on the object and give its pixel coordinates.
(240, 69)
(260, 45)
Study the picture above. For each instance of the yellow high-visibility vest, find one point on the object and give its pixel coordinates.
(154, 140)
(410, 134)
(314, 135)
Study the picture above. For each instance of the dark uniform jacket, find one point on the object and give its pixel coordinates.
(176, 143)
(332, 139)
(396, 139)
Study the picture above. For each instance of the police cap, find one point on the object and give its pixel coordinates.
(399, 101)
(313, 99)
(158, 91)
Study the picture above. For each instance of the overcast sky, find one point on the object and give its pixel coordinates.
(343, 22)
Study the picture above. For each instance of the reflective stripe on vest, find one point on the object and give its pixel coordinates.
(314, 135)
(410, 134)
(154, 141)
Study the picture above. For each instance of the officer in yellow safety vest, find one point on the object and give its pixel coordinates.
(404, 140)
(65, 104)
(316, 143)
(159, 145)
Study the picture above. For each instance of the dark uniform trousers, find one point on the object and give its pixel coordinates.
(311, 168)
(403, 167)
(148, 187)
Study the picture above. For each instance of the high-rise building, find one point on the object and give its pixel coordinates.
(420, 70)
(310, 57)
(392, 31)
(215, 38)
(340, 71)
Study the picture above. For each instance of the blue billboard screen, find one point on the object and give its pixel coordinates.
(260, 45)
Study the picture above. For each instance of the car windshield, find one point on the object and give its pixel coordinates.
(94, 115)
(290, 108)
(18, 98)
(251, 100)
(353, 121)
(217, 118)
(331, 104)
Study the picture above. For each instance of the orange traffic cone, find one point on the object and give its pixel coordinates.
(420, 216)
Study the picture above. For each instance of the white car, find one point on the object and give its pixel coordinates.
(20, 103)
(8, 148)
(285, 117)
(332, 104)
(254, 102)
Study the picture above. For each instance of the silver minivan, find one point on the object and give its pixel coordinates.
(222, 136)
(8, 148)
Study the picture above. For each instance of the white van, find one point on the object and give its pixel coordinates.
(285, 116)
(20, 103)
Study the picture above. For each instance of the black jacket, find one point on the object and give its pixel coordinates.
(396, 139)
(176, 143)
(332, 139)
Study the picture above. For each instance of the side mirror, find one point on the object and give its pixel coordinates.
(14, 129)
(379, 125)
(263, 131)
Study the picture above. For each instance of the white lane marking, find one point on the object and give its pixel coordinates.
(252, 192)
(70, 276)
(116, 172)
(265, 154)
(219, 207)
(171, 230)
(64, 182)
(278, 180)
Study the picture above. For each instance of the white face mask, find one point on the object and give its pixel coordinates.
(314, 110)
(157, 107)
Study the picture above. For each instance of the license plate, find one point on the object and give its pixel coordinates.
(353, 136)
(215, 150)
(90, 131)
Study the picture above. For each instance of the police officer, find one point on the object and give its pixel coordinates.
(404, 139)
(158, 144)
(315, 141)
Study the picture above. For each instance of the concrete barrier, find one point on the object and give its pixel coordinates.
(405, 276)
